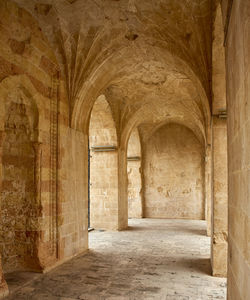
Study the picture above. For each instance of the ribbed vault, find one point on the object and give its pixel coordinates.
(150, 58)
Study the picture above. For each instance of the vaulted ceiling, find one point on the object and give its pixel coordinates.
(151, 59)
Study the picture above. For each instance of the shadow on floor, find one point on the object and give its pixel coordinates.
(194, 231)
(134, 228)
(18, 279)
(188, 264)
(199, 265)
(187, 230)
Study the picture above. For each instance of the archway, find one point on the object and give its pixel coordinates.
(103, 184)
(135, 200)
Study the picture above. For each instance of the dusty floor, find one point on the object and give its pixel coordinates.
(154, 259)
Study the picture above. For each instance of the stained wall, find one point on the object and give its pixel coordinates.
(18, 190)
(174, 174)
(28, 69)
(41, 201)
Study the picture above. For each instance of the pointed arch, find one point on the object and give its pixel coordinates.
(173, 168)
(103, 167)
(134, 156)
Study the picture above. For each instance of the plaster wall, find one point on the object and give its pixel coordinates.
(174, 174)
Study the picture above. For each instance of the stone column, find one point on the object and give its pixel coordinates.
(35, 229)
(38, 156)
(208, 188)
(220, 197)
(3, 285)
(122, 190)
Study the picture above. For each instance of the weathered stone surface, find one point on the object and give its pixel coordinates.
(18, 210)
(17, 46)
(238, 103)
(174, 174)
(43, 8)
(27, 232)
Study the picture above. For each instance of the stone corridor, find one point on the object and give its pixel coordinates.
(154, 259)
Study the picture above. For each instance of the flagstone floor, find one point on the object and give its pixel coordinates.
(153, 259)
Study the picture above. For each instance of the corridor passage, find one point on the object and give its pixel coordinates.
(153, 259)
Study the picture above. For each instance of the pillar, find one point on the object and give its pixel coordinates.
(122, 190)
(220, 197)
(208, 188)
(38, 154)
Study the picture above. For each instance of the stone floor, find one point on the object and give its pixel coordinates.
(154, 259)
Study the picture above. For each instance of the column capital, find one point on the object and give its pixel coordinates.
(37, 146)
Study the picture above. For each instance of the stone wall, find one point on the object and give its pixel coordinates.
(238, 101)
(73, 194)
(18, 210)
(29, 120)
(26, 72)
(174, 174)
(51, 181)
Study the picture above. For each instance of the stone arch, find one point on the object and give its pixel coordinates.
(196, 130)
(196, 126)
(113, 68)
(134, 156)
(173, 167)
(103, 167)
